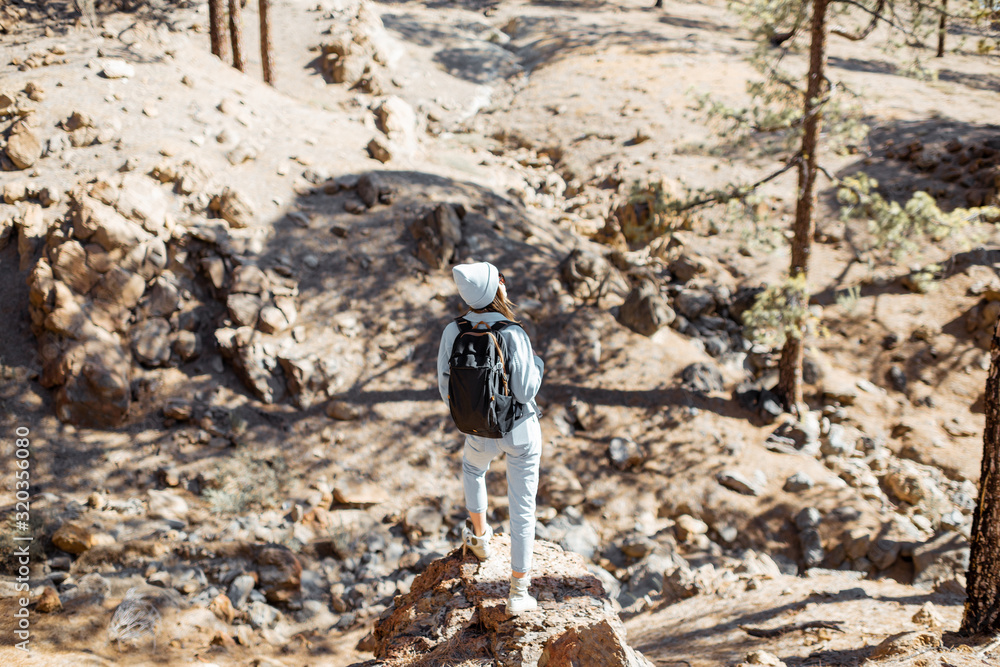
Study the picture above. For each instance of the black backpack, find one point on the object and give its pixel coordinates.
(481, 402)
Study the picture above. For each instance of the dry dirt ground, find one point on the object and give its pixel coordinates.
(511, 91)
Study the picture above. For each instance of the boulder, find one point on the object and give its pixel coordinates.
(372, 190)
(248, 279)
(840, 441)
(437, 234)
(103, 224)
(692, 303)
(905, 644)
(736, 481)
(243, 308)
(343, 410)
(688, 527)
(798, 482)
(760, 657)
(645, 311)
(98, 390)
(702, 377)
(396, 118)
(48, 601)
(380, 149)
(251, 361)
(233, 207)
(164, 297)
(625, 453)
(70, 266)
(31, 229)
(74, 538)
(67, 317)
(239, 593)
(279, 573)
(685, 582)
(588, 275)
(944, 557)
(143, 200)
(23, 147)
(116, 68)
(456, 611)
(151, 341)
(119, 289)
(686, 267)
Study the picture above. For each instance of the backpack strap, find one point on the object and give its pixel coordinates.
(493, 331)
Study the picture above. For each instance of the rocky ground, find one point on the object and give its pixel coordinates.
(225, 300)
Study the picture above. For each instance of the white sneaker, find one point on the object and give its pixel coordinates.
(520, 600)
(480, 545)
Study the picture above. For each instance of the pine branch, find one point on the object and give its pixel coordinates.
(739, 192)
(857, 37)
(876, 14)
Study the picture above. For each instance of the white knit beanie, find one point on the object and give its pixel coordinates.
(477, 283)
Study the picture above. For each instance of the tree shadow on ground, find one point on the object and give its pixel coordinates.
(61, 15)
(548, 39)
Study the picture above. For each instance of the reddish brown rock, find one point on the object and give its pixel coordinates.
(73, 538)
(23, 147)
(97, 391)
(279, 574)
(48, 601)
(458, 605)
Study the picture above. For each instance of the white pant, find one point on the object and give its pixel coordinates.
(523, 446)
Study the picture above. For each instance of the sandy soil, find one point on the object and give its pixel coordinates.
(573, 81)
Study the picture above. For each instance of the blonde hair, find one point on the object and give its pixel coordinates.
(501, 305)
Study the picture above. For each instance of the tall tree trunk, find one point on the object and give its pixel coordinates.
(790, 366)
(217, 27)
(982, 607)
(265, 41)
(942, 29)
(236, 32)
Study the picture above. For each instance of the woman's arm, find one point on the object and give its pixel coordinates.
(444, 354)
(526, 368)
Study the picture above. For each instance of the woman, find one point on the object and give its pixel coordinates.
(483, 288)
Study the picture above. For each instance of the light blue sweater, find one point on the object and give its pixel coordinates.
(525, 367)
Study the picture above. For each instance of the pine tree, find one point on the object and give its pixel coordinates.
(790, 366)
(217, 27)
(982, 606)
(265, 41)
(236, 33)
(942, 27)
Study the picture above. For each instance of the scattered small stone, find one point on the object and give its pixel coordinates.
(735, 481)
(702, 377)
(905, 643)
(645, 311)
(73, 538)
(798, 482)
(223, 608)
(263, 615)
(761, 657)
(928, 615)
(688, 527)
(48, 601)
(883, 552)
(116, 68)
(239, 590)
(897, 378)
(343, 411)
(625, 453)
